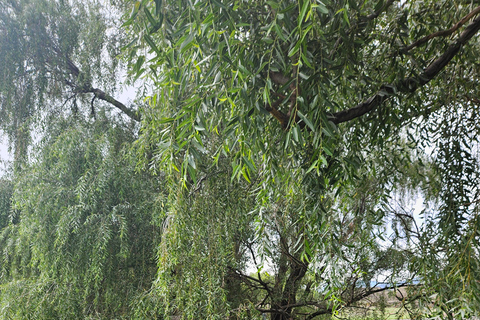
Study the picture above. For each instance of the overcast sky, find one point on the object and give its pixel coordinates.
(4, 155)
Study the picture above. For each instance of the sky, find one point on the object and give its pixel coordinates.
(4, 154)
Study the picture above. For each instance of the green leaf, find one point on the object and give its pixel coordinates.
(295, 132)
(306, 120)
(308, 250)
(291, 7)
(192, 172)
(275, 5)
(379, 5)
(137, 68)
(287, 139)
(245, 175)
(133, 15)
(151, 43)
(186, 42)
(191, 161)
(321, 6)
(158, 7)
(149, 16)
(249, 163)
(198, 146)
(313, 166)
(327, 150)
(295, 49)
(166, 120)
(303, 11)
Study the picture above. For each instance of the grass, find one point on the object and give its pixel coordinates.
(388, 313)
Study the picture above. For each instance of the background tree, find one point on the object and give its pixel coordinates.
(57, 57)
(80, 240)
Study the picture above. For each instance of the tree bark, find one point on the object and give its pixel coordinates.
(285, 294)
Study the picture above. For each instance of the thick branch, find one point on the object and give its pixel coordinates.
(409, 84)
(277, 114)
(443, 33)
(294, 305)
(108, 98)
(319, 313)
(100, 94)
(279, 78)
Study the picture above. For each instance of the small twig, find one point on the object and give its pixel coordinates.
(470, 203)
(401, 216)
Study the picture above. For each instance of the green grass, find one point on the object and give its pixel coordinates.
(388, 313)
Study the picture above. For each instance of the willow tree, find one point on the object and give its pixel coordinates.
(56, 57)
(78, 228)
(327, 109)
(81, 229)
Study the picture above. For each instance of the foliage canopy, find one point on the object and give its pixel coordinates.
(329, 109)
(283, 142)
(81, 232)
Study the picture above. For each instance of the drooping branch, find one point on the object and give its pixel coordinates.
(409, 84)
(443, 33)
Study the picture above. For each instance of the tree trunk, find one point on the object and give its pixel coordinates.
(288, 296)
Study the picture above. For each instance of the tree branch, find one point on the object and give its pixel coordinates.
(372, 291)
(100, 94)
(277, 114)
(252, 279)
(108, 98)
(443, 33)
(409, 84)
(319, 313)
(279, 78)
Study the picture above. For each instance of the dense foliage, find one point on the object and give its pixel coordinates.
(331, 110)
(272, 168)
(80, 236)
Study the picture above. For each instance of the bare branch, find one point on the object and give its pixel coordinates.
(108, 98)
(252, 279)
